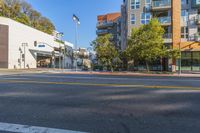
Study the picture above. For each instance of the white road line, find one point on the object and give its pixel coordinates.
(17, 128)
(128, 86)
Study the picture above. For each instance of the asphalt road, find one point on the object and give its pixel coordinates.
(101, 104)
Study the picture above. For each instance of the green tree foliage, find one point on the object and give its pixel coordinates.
(106, 51)
(173, 53)
(22, 12)
(146, 43)
(1, 7)
(22, 18)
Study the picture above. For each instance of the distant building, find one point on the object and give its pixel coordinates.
(23, 47)
(82, 55)
(179, 18)
(110, 24)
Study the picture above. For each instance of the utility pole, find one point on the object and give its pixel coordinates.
(77, 22)
(24, 45)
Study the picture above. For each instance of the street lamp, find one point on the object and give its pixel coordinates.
(77, 22)
(60, 35)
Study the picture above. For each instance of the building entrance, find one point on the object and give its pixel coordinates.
(44, 61)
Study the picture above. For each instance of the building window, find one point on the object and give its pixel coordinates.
(184, 15)
(145, 18)
(135, 4)
(133, 19)
(147, 5)
(184, 2)
(184, 32)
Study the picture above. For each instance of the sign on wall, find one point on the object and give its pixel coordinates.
(41, 46)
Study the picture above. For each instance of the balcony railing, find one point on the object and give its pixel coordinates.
(167, 36)
(164, 20)
(101, 32)
(104, 24)
(162, 4)
(184, 21)
(198, 19)
(195, 37)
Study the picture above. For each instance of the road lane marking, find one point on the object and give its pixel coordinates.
(94, 84)
(17, 128)
(69, 83)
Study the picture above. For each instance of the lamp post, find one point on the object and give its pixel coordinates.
(60, 35)
(24, 45)
(77, 22)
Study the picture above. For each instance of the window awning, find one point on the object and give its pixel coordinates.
(44, 53)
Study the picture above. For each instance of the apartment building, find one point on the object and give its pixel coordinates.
(179, 18)
(23, 47)
(110, 24)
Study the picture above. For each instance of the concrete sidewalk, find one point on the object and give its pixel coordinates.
(22, 71)
(79, 72)
(135, 74)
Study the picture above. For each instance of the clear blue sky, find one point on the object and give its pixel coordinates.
(60, 13)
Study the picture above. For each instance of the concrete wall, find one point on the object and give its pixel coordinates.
(20, 33)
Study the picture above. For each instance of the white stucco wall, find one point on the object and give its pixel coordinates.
(20, 33)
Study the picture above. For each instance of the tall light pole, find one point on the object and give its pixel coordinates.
(60, 35)
(77, 22)
(24, 45)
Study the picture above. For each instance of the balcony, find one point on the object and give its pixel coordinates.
(195, 4)
(167, 38)
(184, 21)
(165, 21)
(102, 32)
(160, 5)
(195, 37)
(104, 24)
(198, 19)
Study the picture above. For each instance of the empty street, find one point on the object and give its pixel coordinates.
(99, 103)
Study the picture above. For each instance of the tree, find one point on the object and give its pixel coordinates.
(45, 25)
(25, 8)
(173, 54)
(106, 51)
(146, 43)
(22, 18)
(22, 12)
(1, 7)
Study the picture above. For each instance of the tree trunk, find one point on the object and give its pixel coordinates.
(110, 65)
(147, 66)
(112, 70)
(161, 63)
